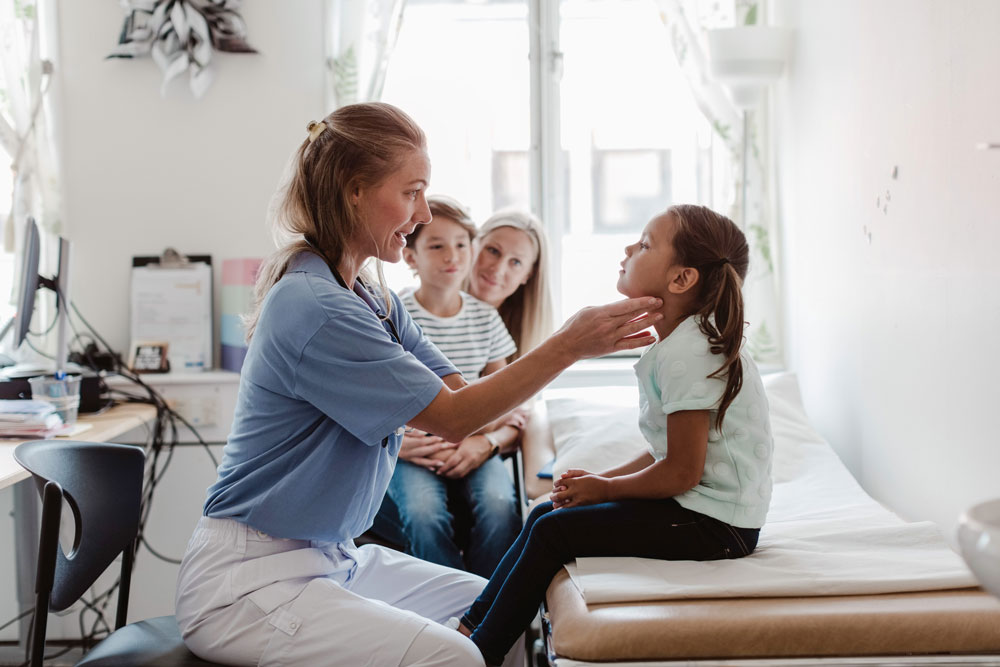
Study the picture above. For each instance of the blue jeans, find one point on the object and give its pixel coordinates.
(550, 539)
(465, 523)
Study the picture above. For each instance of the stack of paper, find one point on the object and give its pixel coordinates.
(28, 419)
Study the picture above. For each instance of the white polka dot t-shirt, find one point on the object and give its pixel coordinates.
(673, 377)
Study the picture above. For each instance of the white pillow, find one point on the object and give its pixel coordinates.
(594, 428)
(597, 428)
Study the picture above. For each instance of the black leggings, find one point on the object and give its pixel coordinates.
(551, 538)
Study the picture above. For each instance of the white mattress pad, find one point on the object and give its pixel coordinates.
(824, 535)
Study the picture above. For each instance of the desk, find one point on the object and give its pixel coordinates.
(104, 427)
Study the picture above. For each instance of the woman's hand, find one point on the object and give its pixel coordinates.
(578, 487)
(469, 455)
(600, 330)
(419, 447)
(517, 418)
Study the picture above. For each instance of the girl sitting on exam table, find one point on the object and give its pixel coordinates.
(703, 489)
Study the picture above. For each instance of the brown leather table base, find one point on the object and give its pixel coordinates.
(956, 621)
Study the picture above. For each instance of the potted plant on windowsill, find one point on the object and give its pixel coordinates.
(748, 57)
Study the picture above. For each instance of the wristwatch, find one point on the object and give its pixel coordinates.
(494, 442)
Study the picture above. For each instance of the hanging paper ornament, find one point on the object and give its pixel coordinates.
(180, 35)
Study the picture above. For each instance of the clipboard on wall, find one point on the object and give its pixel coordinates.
(171, 302)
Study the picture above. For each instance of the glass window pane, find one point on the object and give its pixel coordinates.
(460, 69)
(633, 139)
(7, 297)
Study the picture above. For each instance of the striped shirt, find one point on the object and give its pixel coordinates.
(472, 338)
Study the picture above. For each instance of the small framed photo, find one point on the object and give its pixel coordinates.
(150, 357)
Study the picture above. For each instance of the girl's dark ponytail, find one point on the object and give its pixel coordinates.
(716, 247)
(725, 334)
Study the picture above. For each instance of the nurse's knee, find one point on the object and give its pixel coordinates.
(438, 646)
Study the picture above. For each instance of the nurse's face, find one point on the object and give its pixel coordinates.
(393, 208)
(504, 263)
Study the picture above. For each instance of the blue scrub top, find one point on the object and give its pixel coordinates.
(324, 385)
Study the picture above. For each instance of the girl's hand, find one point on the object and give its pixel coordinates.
(468, 455)
(419, 447)
(600, 330)
(578, 487)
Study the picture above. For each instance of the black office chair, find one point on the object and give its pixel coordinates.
(102, 484)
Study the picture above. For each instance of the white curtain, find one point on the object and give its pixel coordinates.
(26, 116)
(360, 40)
(686, 22)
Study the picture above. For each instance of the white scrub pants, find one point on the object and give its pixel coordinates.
(245, 598)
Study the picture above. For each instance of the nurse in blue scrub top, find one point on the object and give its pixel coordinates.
(335, 369)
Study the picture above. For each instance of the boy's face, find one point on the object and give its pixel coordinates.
(646, 269)
(441, 255)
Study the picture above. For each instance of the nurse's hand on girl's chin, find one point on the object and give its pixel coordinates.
(422, 449)
(600, 330)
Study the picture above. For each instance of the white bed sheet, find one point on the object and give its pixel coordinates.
(824, 535)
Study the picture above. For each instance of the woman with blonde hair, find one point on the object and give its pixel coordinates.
(334, 370)
(511, 273)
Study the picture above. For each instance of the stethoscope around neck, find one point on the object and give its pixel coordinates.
(340, 281)
(392, 331)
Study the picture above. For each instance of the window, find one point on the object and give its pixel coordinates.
(6, 259)
(460, 69)
(620, 137)
(629, 187)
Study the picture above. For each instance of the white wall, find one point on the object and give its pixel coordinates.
(892, 336)
(892, 312)
(143, 172)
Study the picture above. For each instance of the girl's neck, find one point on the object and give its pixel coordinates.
(442, 302)
(673, 313)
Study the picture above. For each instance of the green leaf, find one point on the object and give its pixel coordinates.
(763, 243)
(345, 77)
(751, 17)
(720, 129)
(24, 9)
(761, 344)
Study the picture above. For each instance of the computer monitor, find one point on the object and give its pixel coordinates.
(28, 284)
(27, 287)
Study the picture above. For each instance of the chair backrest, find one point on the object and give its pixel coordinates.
(102, 484)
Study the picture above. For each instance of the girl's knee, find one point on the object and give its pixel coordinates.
(540, 510)
(551, 529)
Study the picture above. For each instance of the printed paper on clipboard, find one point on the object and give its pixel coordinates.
(173, 303)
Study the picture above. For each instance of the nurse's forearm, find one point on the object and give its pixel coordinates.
(592, 332)
(456, 414)
(454, 381)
